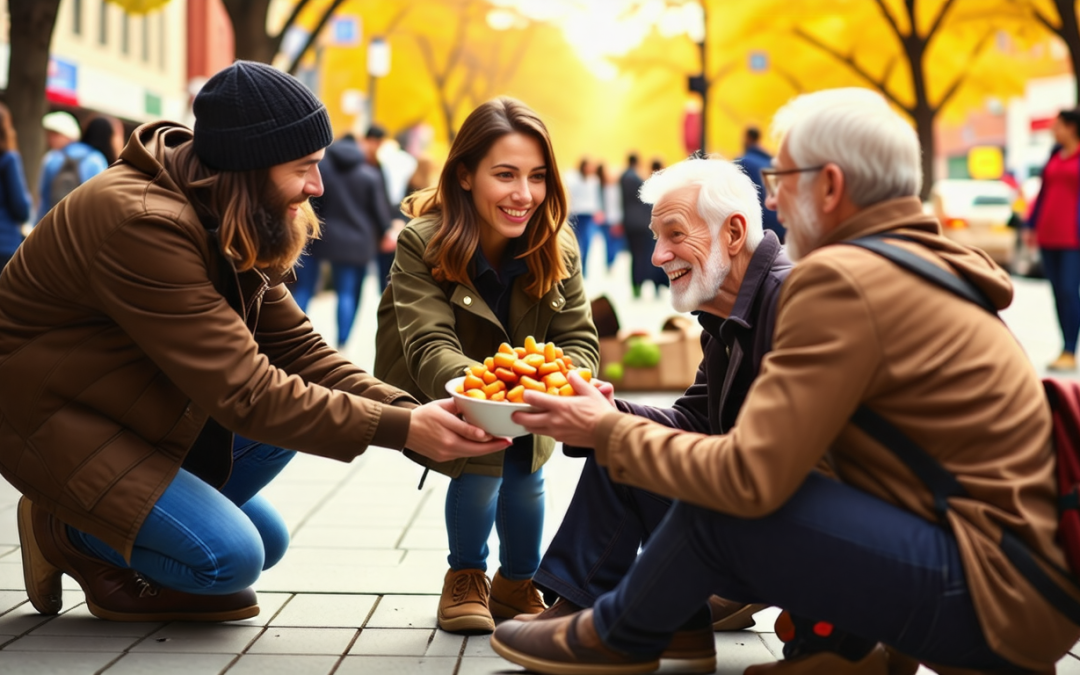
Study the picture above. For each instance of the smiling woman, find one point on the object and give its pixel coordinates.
(487, 260)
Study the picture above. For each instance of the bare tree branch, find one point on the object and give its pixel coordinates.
(293, 16)
(854, 65)
(937, 20)
(312, 36)
(891, 20)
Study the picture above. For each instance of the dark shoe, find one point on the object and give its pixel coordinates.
(825, 663)
(112, 593)
(564, 646)
(560, 608)
(730, 615)
(510, 599)
(899, 663)
(695, 649)
(463, 607)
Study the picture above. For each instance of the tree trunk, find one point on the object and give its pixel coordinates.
(32, 23)
(248, 18)
(922, 112)
(1070, 33)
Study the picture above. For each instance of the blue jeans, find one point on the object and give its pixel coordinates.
(199, 540)
(348, 283)
(514, 503)
(1062, 269)
(832, 552)
(599, 537)
(584, 228)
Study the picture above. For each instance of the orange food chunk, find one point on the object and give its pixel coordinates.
(498, 396)
(558, 352)
(566, 390)
(585, 373)
(506, 375)
(504, 360)
(505, 349)
(520, 351)
(530, 383)
(517, 394)
(472, 382)
(496, 386)
(534, 360)
(522, 368)
(489, 363)
(460, 389)
(553, 391)
(549, 352)
(478, 370)
(549, 368)
(556, 380)
(567, 360)
(488, 377)
(476, 393)
(531, 347)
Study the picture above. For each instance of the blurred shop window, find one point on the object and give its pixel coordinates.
(125, 33)
(146, 38)
(103, 23)
(76, 17)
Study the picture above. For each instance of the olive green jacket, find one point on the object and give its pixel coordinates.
(429, 331)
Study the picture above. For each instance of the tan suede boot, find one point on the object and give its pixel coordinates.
(463, 607)
(510, 598)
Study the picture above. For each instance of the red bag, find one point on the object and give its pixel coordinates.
(1064, 397)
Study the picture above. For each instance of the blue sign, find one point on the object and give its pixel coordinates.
(759, 62)
(346, 31)
(63, 76)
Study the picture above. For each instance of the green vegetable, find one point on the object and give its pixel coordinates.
(613, 372)
(641, 353)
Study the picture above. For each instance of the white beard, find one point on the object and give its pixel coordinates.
(806, 222)
(704, 283)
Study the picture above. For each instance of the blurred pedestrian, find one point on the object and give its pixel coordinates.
(373, 141)
(753, 160)
(639, 238)
(100, 134)
(612, 227)
(355, 217)
(487, 259)
(657, 165)
(148, 317)
(69, 162)
(1054, 226)
(583, 186)
(14, 199)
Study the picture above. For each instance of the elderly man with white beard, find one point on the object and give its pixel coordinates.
(709, 240)
(936, 542)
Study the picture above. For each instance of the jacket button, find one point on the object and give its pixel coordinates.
(555, 304)
(467, 300)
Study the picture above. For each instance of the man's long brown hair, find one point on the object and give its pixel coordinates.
(8, 142)
(238, 201)
(458, 236)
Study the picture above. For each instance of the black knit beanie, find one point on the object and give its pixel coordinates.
(253, 116)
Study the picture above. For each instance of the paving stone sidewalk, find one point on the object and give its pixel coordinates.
(358, 590)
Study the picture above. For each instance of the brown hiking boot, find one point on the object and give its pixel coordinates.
(463, 607)
(825, 663)
(566, 645)
(113, 593)
(511, 598)
(730, 615)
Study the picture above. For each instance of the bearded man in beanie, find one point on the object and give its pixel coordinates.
(162, 367)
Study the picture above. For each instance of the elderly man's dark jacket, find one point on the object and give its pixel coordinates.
(733, 350)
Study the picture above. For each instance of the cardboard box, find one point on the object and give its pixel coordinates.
(680, 355)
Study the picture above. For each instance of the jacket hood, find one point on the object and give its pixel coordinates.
(905, 216)
(150, 150)
(345, 154)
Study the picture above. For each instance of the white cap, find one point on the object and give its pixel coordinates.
(62, 123)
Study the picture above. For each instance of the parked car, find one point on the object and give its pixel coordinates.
(978, 213)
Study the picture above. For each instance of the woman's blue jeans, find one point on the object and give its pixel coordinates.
(201, 540)
(348, 283)
(514, 503)
(1062, 269)
(584, 228)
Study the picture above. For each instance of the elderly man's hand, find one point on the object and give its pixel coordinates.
(570, 419)
(436, 432)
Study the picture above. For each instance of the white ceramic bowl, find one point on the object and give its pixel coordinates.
(491, 416)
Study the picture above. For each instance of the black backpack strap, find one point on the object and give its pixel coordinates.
(921, 267)
(941, 483)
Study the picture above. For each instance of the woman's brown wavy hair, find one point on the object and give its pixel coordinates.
(458, 236)
(238, 200)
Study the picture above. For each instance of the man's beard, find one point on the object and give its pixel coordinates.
(705, 282)
(282, 236)
(804, 220)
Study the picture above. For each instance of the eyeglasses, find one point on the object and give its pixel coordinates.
(771, 177)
